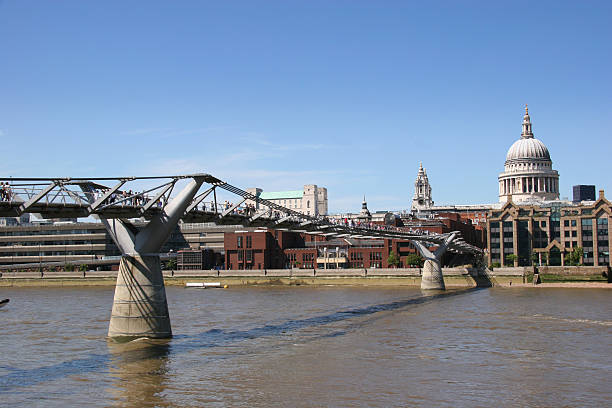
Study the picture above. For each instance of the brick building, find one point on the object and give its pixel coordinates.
(259, 248)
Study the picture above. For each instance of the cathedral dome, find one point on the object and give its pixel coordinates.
(528, 173)
(528, 148)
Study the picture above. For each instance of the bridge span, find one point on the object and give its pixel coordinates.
(140, 308)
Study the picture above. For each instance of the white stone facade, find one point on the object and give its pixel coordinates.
(528, 174)
(312, 200)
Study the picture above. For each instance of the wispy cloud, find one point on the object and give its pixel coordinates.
(143, 132)
(175, 132)
(254, 139)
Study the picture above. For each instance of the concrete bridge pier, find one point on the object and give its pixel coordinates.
(432, 278)
(140, 308)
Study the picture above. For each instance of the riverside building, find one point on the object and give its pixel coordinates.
(542, 234)
(46, 242)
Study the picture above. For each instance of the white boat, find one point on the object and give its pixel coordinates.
(202, 285)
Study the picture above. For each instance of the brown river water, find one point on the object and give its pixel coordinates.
(313, 347)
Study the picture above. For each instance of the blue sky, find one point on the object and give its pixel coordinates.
(350, 95)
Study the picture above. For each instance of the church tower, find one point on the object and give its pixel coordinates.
(422, 192)
(364, 214)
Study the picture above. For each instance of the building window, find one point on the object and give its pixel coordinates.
(249, 241)
(239, 241)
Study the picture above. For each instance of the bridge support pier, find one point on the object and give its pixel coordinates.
(432, 278)
(140, 308)
(432, 275)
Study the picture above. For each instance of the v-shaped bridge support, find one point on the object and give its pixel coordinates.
(432, 269)
(140, 308)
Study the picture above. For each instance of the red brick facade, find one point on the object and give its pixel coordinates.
(274, 249)
(261, 249)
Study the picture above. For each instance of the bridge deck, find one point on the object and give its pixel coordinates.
(81, 198)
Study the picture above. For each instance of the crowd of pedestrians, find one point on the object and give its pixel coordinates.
(129, 197)
(247, 210)
(5, 192)
(351, 223)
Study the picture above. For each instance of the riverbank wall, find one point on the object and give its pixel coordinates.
(552, 274)
(453, 277)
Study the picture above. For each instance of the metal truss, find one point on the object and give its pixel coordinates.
(84, 197)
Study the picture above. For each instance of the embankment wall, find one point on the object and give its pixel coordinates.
(453, 277)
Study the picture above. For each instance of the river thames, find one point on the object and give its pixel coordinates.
(313, 347)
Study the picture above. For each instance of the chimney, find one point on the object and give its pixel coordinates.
(601, 194)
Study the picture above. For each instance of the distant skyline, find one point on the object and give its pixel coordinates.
(349, 95)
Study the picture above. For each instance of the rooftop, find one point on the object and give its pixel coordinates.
(278, 195)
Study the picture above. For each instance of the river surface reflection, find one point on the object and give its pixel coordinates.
(311, 347)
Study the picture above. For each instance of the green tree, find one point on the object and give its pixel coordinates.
(393, 260)
(171, 264)
(82, 268)
(511, 258)
(574, 258)
(414, 260)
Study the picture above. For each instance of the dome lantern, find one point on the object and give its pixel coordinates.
(526, 133)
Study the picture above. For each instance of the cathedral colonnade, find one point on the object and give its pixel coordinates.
(511, 185)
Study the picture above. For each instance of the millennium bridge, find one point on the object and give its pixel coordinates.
(140, 307)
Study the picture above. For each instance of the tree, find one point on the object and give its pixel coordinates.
(393, 260)
(574, 258)
(534, 258)
(171, 264)
(414, 260)
(511, 258)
